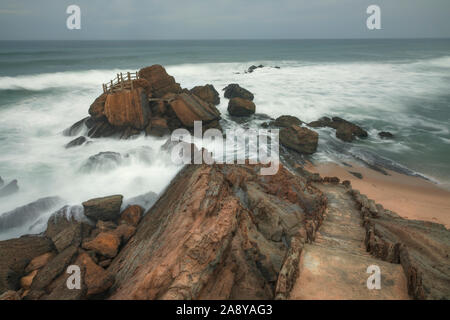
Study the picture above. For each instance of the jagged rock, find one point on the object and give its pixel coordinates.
(124, 232)
(157, 127)
(128, 108)
(39, 262)
(300, 139)
(103, 226)
(76, 128)
(100, 128)
(201, 241)
(253, 68)
(28, 213)
(385, 135)
(287, 121)
(207, 93)
(97, 108)
(103, 161)
(241, 107)
(16, 254)
(132, 215)
(189, 108)
(107, 208)
(160, 83)
(105, 244)
(96, 279)
(9, 189)
(345, 130)
(76, 142)
(235, 91)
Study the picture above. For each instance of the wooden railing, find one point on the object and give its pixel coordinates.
(120, 82)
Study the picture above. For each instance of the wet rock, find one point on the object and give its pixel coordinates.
(9, 189)
(159, 82)
(287, 121)
(39, 262)
(145, 201)
(103, 161)
(207, 93)
(253, 68)
(189, 108)
(157, 127)
(300, 139)
(76, 128)
(385, 135)
(16, 254)
(105, 244)
(100, 128)
(345, 130)
(241, 107)
(132, 215)
(106, 208)
(127, 108)
(76, 142)
(235, 91)
(96, 279)
(97, 108)
(29, 213)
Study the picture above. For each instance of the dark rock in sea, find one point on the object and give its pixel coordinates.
(300, 139)
(76, 142)
(16, 254)
(253, 68)
(277, 67)
(100, 128)
(145, 201)
(207, 93)
(356, 174)
(157, 127)
(345, 130)
(235, 91)
(76, 128)
(287, 121)
(103, 161)
(9, 189)
(106, 209)
(385, 135)
(240, 107)
(29, 213)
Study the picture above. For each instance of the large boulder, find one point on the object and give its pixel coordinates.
(235, 91)
(97, 108)
(345, 130)
(132, 215)
(300, 139)
(105, 243)
(160, 83)
(287, 121)
(189, 108)
(207, 93)
(240, 107)
(96, 279)
(157, 127)
(106, 209)
(127, 108)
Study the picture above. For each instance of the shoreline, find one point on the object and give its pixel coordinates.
(410, 197)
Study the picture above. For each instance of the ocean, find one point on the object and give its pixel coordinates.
(401, 86)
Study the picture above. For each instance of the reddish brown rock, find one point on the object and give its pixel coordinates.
(207, 93)
(235, 91)
(39, 262)
(300, 139)
(345, 130)
(97, 108)
(190, 108)
(26, 281)
(105, 244)
(160, 83)
(96, 279)
(157, 127)
(125, 232)
(10, 295)
(240, 107)
(132, 215)
(106, 208)
(127, 108)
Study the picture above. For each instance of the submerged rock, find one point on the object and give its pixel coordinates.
(300, 139)
(9, 189)
(241, 107)
(345, 130)
(103, 161)
(76, 142)
(253, 68)
(76, 128)
(207, 93)
(235, 91)
(106, 209)
(385, 135)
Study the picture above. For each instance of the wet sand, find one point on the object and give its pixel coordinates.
(410, 197)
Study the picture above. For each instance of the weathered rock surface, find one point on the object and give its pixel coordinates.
(190, 108)
(160, 83)
(97, 108)
(106, 208)
(300, 139)
(157, 127)
(235, 91)
(96, 279)
(207, 93)
(132, 215)
(345, 130)
(286, 121)
(219, 231)
(241, 107)
(39, 262)
(105, 243)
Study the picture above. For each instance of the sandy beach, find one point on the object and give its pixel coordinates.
(410, 197)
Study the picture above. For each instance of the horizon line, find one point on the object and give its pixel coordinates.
(240, 39)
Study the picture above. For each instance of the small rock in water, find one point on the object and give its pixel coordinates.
(287, 121)
(253, 68)
(102, 161)
(76, 128)
(235, 91)
(240, 107)
(9, 189)
(356, 174)
(76, 142)
(385, 135)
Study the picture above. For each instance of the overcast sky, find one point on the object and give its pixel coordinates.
(224, 19)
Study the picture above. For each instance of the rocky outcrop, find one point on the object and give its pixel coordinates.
(286, 121)
(253, 68)
(240, 107)
(159, 82)
(97, 108)
(9, 189)
(235, 91)
(218, 232)
(345, 130)
(207, 93)
(106, 209)
(300, 139)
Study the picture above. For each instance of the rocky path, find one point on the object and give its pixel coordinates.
(335, 265)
